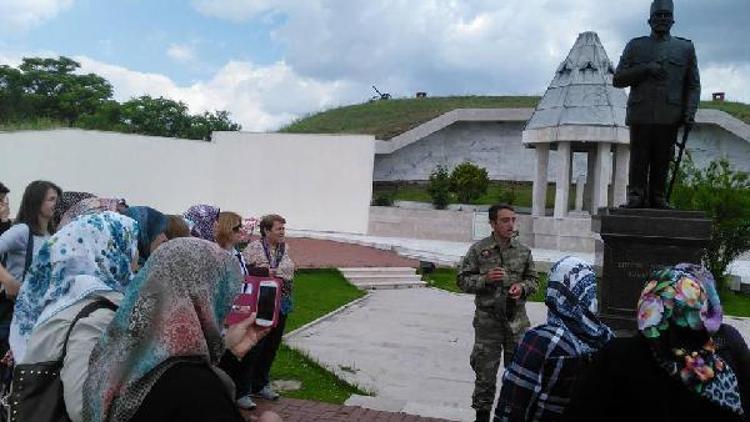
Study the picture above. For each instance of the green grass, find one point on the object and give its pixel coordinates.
(735, 304)
(386, 119)
(317, 383)
(738, 110)
(496, 192)
(316, 293)
(445, 278)
(33, 124)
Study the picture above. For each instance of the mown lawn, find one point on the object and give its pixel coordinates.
(386, 119)
(515, 193)
(735, 304)
(316, 293)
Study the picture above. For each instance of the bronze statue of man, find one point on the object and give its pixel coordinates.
(662, 73)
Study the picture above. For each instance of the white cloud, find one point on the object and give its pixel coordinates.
(25, 14)
(261, 98)
(181, 52)
(469, 46)
(734, 79)
(237, 10)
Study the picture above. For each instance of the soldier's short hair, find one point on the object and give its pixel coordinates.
(496, 208)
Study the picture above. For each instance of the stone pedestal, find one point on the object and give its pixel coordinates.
(634, 242)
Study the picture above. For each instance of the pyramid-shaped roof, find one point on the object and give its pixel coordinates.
(581, 104)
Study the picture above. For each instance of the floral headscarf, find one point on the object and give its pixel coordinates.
(67, 200)
(202, 217)
(151, 222)
(572, 304)
(93, 253)
(88, 206)
(683, 296)
(173, 312)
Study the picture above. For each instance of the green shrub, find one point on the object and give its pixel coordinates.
(508, 193)
(439, 187)
(469, 181)
(724, 195)
(383, 200)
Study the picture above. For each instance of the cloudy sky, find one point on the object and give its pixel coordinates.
(270, 61)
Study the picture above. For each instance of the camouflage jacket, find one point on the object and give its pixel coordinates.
(492, 297)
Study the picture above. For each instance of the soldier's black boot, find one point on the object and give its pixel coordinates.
(483, 416)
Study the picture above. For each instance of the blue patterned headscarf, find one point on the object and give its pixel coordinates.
(151, 222)
(93, 253)
(572, 304)
(173, 312)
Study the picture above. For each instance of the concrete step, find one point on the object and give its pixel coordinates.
(383, 277)
(384, 285)
(370, 272)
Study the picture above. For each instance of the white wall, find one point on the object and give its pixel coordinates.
(318, 182)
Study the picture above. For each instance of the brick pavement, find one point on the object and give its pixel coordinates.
(312, 253)
(295, 410)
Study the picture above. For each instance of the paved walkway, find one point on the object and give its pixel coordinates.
(293, 410)
(449, 253)
(315, 253)
(411, 348)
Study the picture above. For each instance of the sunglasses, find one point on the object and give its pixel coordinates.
(237, 228)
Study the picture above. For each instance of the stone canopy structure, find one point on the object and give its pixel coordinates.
(581, 112)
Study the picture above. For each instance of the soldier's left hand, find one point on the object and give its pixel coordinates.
(516, 290)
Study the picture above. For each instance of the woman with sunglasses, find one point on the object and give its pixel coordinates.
(228, 233)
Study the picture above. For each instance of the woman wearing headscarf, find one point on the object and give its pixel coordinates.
(730, 345)
(88, 260)
(91, 206)
(152, 227)
(158, 359)
(202, 218)
(537, 384)
(67, 200)
(669, 371)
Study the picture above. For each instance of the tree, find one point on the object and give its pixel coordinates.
(724, 195)
(52, 89)
(469, 182)
(155, 116)
(440, 187)
(12, 99)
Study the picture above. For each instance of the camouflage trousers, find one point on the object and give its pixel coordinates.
(492, 338)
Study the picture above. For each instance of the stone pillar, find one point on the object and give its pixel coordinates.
(580, 186)
(562, 193)
(539, 190)
(588, 193)
(601, 177)
(620, 174)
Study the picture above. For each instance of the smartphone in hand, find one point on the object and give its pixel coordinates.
(268, 303)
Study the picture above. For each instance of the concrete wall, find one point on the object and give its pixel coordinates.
(318, 182)
(456, 226)
(497, 147)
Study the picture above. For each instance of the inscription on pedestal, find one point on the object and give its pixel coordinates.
(634, 244)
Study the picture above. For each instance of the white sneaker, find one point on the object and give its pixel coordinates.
(245, 402)
(267, 394)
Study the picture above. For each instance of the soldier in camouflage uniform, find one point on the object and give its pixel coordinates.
(500, 272)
